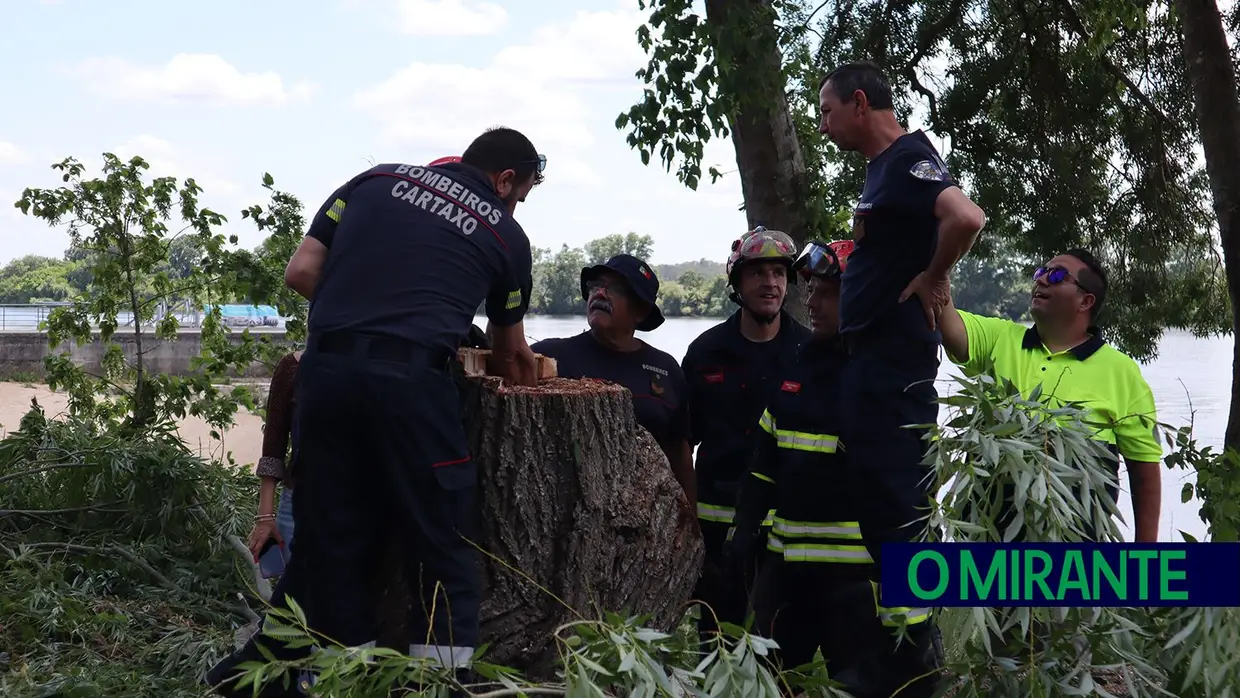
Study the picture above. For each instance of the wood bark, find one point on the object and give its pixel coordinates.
(1217, 104)
(580, 514)
(768, 153)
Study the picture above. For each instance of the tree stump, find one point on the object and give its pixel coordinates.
(581, 514)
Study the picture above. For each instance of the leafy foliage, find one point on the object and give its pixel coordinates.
(613, 655)
(1066, 121)
(995, 437)
(116, 571)
(126, 231)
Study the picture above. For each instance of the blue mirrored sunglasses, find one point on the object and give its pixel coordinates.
(1056, 275)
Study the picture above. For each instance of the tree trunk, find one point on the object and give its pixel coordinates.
(1217, 103)
(581, 515)
(768, 154)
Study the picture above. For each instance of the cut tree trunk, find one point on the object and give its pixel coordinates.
(768, 153)
(581, 515)
(1217, 105)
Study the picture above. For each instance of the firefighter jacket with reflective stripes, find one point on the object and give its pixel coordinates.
(798, 467)
(731, 380)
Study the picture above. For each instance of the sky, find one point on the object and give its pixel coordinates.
(316, 91)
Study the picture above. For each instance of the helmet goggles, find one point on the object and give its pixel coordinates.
(818, 259)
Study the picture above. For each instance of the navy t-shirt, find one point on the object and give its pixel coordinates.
(895, 232)
(653, 376)
(413, 251)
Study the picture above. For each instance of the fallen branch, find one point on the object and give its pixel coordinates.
(41, 469)
(74, 510)
(112, 550)
(262, 586)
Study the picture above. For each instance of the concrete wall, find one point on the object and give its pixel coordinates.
(21, 353)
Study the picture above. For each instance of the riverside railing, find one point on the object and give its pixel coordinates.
(29, 317)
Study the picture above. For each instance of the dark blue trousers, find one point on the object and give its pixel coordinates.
(383, 449)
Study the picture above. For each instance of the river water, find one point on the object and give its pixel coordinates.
(1191, 374)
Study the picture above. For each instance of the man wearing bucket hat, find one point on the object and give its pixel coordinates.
(621, 299)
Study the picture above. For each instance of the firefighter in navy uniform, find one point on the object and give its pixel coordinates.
(731, 369)
(396, 262)
(813, 589)
(911, 225)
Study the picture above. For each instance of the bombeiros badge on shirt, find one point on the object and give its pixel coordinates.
(656, 383)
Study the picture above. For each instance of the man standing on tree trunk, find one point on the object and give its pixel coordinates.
(911, 226)
(396, 262)
(731, 369)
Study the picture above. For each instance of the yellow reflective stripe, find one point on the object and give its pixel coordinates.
(838, 554)
(847, 530)
(762, 477)
(813, 552)
(336, 210)
(803, 441)
(514, 300)
(715, 512)
(900, 615)
(769, 520)
(767, 422)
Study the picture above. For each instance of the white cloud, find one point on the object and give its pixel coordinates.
(450, 17)
(189, 78)
(543, 88)
(167, 161)
(10, 154)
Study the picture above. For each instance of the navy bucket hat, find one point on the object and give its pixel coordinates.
(641, 278)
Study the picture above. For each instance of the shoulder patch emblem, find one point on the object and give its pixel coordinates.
(790, 387)
(928, 170)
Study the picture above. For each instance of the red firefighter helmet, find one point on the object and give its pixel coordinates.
(445, 160)
(824, 259)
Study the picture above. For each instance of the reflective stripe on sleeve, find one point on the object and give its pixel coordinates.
(900, 615)
(715, 512)
(804, 441)
(336, 210)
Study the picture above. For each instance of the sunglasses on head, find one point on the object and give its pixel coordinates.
(1057, 275)
(542, 162)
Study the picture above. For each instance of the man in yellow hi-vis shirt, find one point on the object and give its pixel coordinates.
(1065, 353)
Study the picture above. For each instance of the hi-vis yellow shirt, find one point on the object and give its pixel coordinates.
(1093, 374)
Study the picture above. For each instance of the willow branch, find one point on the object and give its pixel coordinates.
(260, 583)
(41, 469)
(74, 510)
(110, 550)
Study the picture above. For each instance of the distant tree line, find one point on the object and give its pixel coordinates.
(996, 286)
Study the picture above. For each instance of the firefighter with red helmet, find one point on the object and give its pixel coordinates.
(731, 370)
(813, 590)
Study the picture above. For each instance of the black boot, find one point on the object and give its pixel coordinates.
(919, 661)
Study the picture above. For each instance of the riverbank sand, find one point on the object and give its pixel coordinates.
(244, 439)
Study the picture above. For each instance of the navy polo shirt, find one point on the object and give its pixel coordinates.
(895, 232)
(658, 385)
(413, 251)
